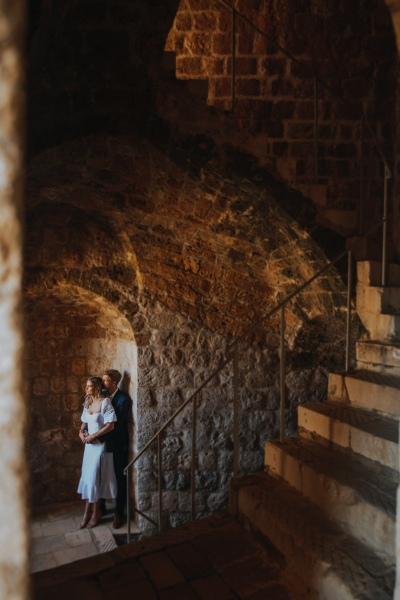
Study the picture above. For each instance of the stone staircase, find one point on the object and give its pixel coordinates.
(327, 499)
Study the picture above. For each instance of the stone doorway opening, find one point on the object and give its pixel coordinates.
(72, 334)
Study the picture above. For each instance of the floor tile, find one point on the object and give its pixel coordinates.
(72, 554)
(42, 562)
(192, 564)
(212, 588)
(122, 575)
(188, 563)
(52, 523)
(49, 544)
(79, 589)
(57, 527)
(142, 590)
(182, 591)
(59, 512)
(103, 538)
(161, 570)
(78, 538)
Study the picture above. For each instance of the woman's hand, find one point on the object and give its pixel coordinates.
(89, 438)
(83, 435)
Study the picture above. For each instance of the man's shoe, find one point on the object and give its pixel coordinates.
(118, 522)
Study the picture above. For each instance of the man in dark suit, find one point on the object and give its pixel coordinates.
(117, 440)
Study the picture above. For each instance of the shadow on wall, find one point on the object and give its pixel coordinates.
(125, 383)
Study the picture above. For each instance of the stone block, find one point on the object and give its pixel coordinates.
(182, 591)
(41, 385)
(378, 356)
(122, 575)
(205, 20)
(221, 44)
(70, 589)
(161, 570)
(58, 384)
(183, 21)
(220, 87)
(248, 86)
(78, 366)
(192, 564)
(190, 67)
(211, 586)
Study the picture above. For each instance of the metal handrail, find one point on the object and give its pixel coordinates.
(232, 349)
(232, 355)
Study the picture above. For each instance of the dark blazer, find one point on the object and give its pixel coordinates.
(117, 440)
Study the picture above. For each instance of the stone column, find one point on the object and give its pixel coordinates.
(13, 488)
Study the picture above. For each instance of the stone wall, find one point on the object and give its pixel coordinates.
(113, 81)
(349, 47)
(178, 359)
(187, 256)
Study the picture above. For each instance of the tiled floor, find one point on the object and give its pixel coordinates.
(57, 540)
(210, 559)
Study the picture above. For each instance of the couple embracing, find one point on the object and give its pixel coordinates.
(104, 432)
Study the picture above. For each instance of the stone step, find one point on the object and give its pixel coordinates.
(364, 432)
(322, 562)
(347, 490)
(378, 356)
(378, 299)
(379, 311)
(366, 389)
(369, 273)
(381, 326)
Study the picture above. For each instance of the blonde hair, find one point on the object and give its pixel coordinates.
(98, 385)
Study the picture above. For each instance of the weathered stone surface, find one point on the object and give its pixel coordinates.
(183, 254)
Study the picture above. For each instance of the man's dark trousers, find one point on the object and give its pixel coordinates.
(117, 442)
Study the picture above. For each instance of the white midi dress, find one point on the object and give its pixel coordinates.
(98, 477)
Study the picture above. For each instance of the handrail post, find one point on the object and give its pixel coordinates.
(128, 508)
(384, 231)
(316, 130)
(159, 482)
(282, 377)
(361, 202)
(193, 472)
(348, 322)
(233, 65)
(235, 410)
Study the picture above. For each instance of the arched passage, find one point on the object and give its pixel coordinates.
(72, 334)
(189, 256)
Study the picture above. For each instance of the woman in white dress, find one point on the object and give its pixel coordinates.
(98, 477)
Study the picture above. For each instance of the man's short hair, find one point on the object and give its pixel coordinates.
(113, 374)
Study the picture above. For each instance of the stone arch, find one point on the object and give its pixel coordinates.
(202, 241)
(72, 333)
(189, 255)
